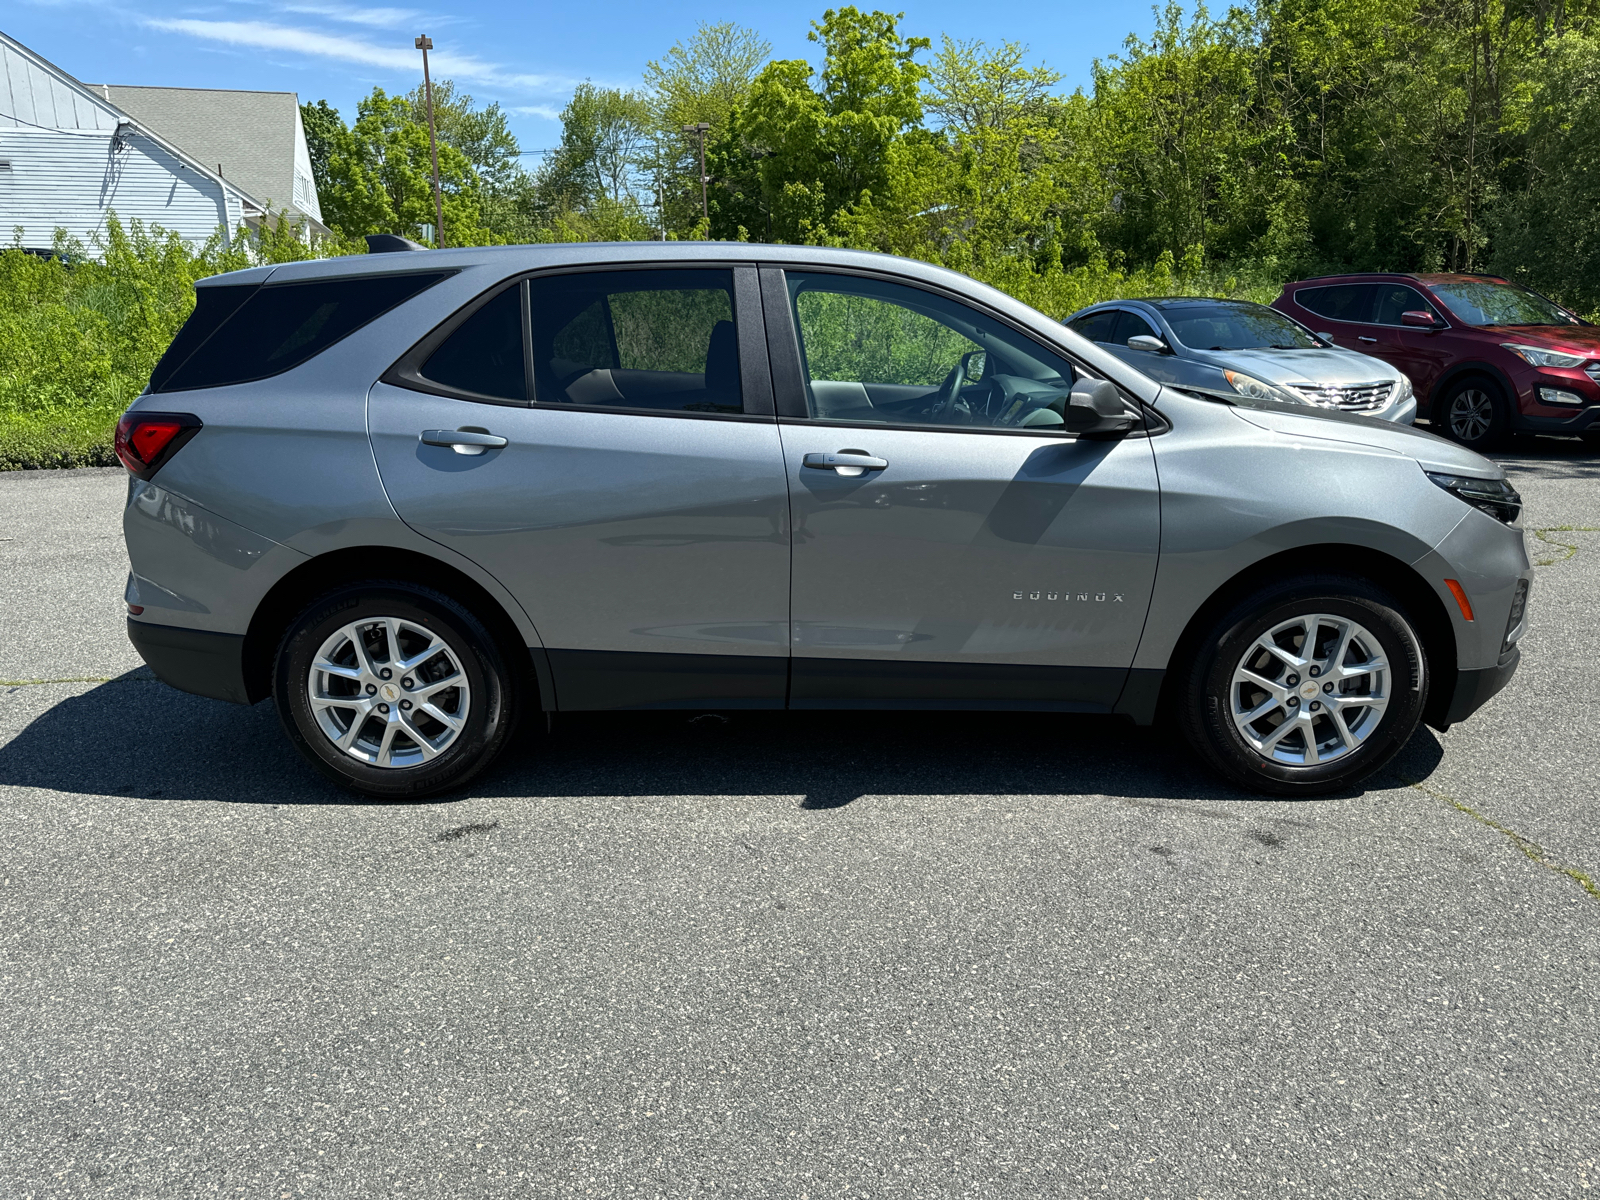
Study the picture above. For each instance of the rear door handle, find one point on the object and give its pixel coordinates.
(463, 441)
(1374, 341)
(844, 462)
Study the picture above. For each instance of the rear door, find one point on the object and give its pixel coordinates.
(1421, 353)
(637, 506)
(1341, 310)
(960, 549)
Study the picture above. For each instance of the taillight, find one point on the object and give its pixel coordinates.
(146, 440)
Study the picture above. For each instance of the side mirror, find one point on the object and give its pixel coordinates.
(1417, 320)
(972, 365)
(1327, 337)
(1095, 409)
(1144, 341)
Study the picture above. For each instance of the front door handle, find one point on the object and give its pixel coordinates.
(1374, 341)
(463, 441)
(844, 462)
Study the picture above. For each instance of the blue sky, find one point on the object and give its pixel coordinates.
(528, 57)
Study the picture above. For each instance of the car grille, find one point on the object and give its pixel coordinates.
(1351, 397)
(1593, 371)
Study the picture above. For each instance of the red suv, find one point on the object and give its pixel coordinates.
(1485, 356)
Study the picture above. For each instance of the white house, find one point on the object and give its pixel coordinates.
(71, 153)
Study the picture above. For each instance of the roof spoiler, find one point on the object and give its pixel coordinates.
(388, 243)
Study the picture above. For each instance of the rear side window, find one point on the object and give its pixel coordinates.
(1096, 326)
(1341, 302)
(484, 356)
(657, 341)
(1396, 298)
(280, 326)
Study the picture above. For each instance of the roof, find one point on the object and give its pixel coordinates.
(249, 138)
(1420, 277)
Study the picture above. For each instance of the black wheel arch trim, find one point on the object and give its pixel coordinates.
(1453, 375)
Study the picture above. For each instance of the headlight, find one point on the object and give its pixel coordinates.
(1403, 391)
(1246, 385)
(1540, 357)
(1493, 496)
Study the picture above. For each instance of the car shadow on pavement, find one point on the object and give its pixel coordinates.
(136, 737)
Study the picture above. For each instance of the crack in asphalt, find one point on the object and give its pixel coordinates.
(1528, 846)
(1571, 548)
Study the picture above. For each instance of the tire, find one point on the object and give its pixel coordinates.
(448, 717)
(1343, 751)
(1474, 412)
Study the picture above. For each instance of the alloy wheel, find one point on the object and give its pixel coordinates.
(1471, 414)
(1309, 690)
(388, 692)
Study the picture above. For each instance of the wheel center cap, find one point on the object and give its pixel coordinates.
(1309, 690)
(390, 693)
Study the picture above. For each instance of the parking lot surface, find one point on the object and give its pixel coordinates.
(831, 955)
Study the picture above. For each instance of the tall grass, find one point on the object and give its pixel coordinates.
(80, 334)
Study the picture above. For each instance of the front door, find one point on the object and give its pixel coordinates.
(637, 507)
(954, 546)
(1422, 354)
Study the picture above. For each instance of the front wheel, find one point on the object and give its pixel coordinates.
(393, 689)
(1475, 413)
(1306, 687)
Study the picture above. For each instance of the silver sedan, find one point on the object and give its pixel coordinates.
(1234, 347)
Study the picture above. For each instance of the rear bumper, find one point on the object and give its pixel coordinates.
(193, 660)
(1476, 688)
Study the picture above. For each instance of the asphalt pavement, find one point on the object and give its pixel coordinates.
(856, 955)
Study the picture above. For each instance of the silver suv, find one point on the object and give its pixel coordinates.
(416, 496)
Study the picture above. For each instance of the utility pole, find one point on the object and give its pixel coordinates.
(425, 43)
(661, 206)
(705, 206)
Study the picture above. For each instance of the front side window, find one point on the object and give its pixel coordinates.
(1341, 302)
(1237, 326)
(879, 353)
(1397, 298)
(1485, 303)
(651, 341)
(1096, 326)
(1132, 325)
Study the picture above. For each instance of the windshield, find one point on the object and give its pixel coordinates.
(1484, 303)
(1236, 327)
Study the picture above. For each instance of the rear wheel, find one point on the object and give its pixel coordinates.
(1306, 687)
(393, 689)
(1475, 413)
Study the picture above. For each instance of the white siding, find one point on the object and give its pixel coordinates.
(32, 96)
(304, 180)
(72, 180)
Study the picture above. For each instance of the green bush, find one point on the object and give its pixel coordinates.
(79, 335)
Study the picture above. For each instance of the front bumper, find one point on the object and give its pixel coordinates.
(193, 660)
(1474, 689)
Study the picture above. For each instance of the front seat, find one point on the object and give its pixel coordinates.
(722, 367)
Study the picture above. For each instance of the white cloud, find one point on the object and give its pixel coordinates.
(375, 18)
(398, 56)
(548, 111)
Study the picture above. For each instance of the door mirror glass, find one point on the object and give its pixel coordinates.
(972, 364)
(1418, 320)
(1095, 409)
(1145, 341)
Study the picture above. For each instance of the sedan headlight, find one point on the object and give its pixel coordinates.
(1247, 385)
(1540, 357)
(1494, 496)
(1403, 390)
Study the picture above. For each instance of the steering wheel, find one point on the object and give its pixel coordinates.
(949, 391)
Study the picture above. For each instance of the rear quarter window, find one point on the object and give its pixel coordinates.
(275, 327)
